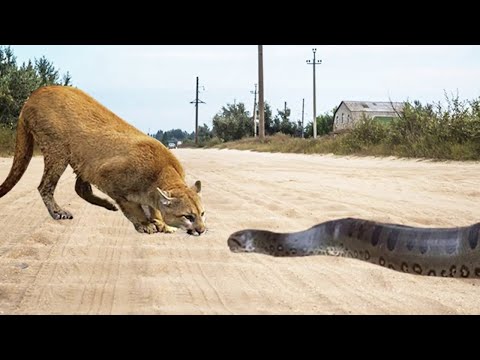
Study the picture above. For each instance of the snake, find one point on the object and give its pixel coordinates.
(443, 252)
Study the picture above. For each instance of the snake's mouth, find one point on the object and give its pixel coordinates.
(241, 241)
(235, 244)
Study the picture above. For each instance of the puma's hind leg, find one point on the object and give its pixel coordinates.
(53, 170)
(84, 190)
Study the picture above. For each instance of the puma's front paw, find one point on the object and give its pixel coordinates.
(146, 228)
(162, 227)
(169, 229)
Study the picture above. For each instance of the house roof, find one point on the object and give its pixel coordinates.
(374, 106)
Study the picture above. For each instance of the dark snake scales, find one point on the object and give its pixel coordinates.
(447, 252)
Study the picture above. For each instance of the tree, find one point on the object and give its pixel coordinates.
(67, 79)
(46, 71)
(18, 82)
(298, 131)
(232, 123)
(204, 133)
(284, 124)
(165, 138)
(268, 119)
(8, 60)
(324, 125)
(159, 135)
(271, 126)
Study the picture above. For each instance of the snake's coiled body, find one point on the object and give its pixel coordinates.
(448, 252)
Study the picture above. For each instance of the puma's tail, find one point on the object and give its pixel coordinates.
(21, 159)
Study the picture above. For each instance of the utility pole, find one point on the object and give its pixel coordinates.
(254, 111)
(285, 110)
(303, 111)
(196, 102)
(314, 62)
(261, 104)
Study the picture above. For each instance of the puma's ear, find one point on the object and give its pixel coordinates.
(165, 198)
(197, 186)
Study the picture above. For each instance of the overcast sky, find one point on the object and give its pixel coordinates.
(152, 86)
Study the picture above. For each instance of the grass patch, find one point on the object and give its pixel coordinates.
(7, 143)
(364, 140)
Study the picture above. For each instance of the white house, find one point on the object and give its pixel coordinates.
(349, 112)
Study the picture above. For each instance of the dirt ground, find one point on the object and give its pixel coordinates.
(98, 264)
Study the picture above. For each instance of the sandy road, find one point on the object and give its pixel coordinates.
(97, 263)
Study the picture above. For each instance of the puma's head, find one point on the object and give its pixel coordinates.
(182, 208)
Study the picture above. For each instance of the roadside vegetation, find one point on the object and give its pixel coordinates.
(448, 132)
(17, 81)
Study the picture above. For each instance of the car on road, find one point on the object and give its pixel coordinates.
(172, 145)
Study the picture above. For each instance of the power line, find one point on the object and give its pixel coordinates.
(196, 102)
(314, 62)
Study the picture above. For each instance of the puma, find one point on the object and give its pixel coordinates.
(138, 172)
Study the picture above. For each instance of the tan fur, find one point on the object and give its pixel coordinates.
(134, 169)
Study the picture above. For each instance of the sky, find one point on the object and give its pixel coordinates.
(151, 86)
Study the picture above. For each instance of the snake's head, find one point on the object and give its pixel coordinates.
(241, 241)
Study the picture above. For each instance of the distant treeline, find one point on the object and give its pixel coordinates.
(234, 122)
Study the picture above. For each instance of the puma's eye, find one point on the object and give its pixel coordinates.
(190, 218)
(202, 214)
